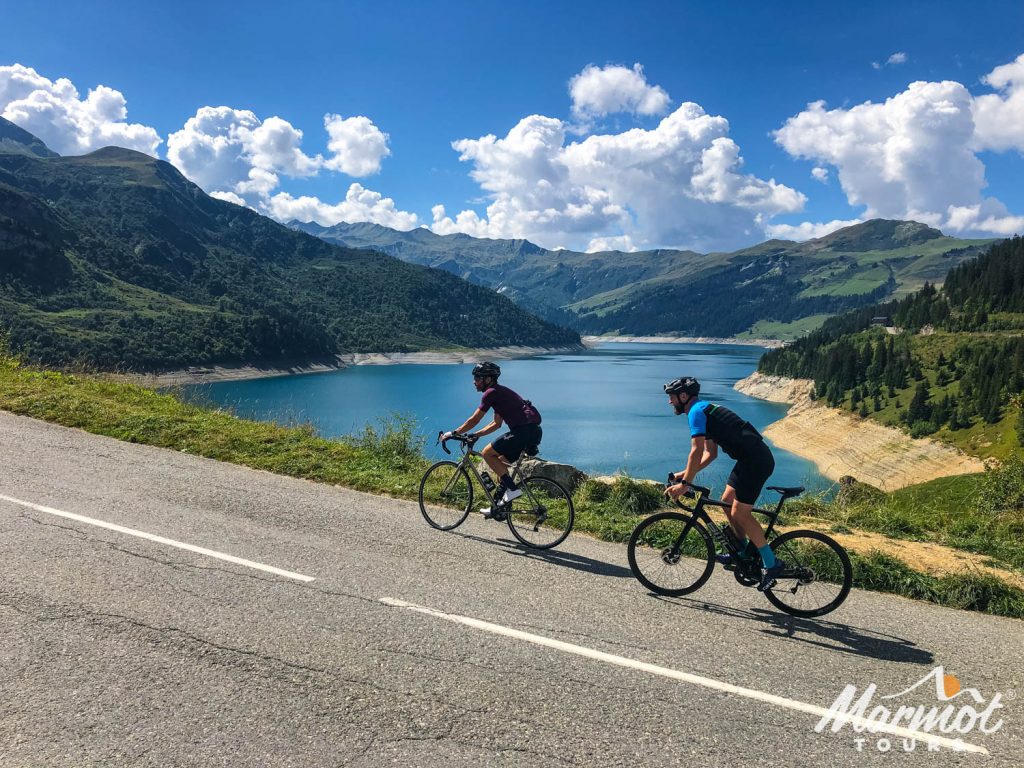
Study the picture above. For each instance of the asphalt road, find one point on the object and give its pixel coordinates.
(123, 650)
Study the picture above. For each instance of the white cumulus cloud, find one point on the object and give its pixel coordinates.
(236, 156)
(357, 145)
(604, 90)
(622, 243)
(68, 124)
(360, 204)
(231, 150)
(914, 155)
(897, 58)
(999, 117)
(808, 230)
(819, 174)
(679, 184)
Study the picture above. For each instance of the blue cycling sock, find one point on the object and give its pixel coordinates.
(767, 556)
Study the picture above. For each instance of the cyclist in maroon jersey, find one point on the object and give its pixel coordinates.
(521, 417)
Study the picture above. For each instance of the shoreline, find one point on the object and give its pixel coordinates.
(766, 343)
(842, 444)
(215, 373)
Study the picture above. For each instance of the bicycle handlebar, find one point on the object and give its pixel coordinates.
(465, 439)
(706, 492)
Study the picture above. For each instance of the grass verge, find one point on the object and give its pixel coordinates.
(389, 459)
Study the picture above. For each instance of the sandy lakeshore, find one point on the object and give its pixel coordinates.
(207, 374)
(840, 443)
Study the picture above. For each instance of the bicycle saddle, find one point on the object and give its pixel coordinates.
(787, 492)
(531, 450)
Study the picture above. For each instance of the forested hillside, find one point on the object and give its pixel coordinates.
(116, 260)
(951, 362)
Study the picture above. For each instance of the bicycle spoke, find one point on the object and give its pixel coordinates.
(446, 495)
(818, 576)
(543, 516)
(665, 561)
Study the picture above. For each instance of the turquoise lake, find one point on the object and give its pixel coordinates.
(604, 410)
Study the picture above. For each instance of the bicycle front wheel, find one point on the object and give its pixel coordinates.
(665, 560)
(543, 516)
(446, 495)
(817, 577)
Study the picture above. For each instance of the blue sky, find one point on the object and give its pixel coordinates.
(609, 173)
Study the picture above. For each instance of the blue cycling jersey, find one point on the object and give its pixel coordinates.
(715, 422)
(698, 419)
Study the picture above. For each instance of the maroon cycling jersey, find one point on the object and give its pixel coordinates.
(514, 411)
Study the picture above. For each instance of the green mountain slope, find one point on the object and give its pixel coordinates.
(15, 140)
(776, 286)
(955, 369)
(115, 259)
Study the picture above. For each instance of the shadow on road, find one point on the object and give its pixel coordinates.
(821, 633)
(557, 557)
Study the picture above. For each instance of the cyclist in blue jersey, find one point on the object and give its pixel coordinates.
(712, 427)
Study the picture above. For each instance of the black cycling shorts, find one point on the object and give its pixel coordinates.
(751, 472)
(515, 441)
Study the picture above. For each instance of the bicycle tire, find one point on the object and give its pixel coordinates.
(817, 554)
(455, 509)
(547, 526)
(651, 543)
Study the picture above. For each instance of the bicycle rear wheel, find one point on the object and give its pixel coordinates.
(818, 574)
(446, 495)
(664, 561)
(543, 516)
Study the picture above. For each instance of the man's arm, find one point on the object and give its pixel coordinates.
(698, 459)
(710, 454)
(494, 425)
(472, 421)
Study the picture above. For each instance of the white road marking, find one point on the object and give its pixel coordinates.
(159, 539)
(673, 674)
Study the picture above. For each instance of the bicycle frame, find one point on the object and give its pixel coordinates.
(468, 454)
(699, 513)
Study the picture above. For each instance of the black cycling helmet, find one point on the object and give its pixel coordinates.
(486, 369)
(686, 384)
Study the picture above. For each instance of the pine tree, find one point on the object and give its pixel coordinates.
(919, 409)
(961, 418)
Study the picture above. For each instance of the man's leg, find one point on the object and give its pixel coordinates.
(741, 519)
(498, 465)
(729, 497)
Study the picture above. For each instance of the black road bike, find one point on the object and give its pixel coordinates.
(541, 518)
(673, 554)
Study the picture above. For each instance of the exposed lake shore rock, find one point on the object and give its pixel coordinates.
(207, 374)
(841, 443)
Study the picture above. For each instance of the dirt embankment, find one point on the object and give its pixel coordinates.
(840, 443)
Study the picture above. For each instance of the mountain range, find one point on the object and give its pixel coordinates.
(778, 288)
(116, 260)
